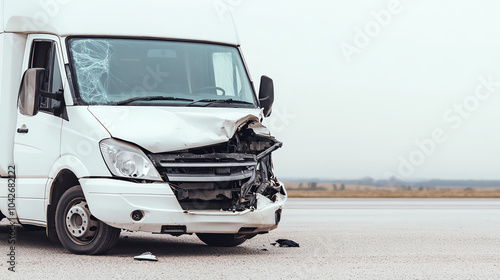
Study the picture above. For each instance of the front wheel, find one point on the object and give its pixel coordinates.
(222, 240)
(80, 232)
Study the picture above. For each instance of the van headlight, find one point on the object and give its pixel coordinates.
(126, 160)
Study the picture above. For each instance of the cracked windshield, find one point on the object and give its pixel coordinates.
(159, 73)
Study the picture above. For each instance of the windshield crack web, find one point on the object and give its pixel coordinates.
(91, 61)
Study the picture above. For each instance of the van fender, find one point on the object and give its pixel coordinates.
(77, 167)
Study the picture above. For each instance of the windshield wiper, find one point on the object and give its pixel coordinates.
(148, 98)
(213, 101)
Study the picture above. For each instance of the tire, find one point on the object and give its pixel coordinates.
(222, 240)
(80, 232)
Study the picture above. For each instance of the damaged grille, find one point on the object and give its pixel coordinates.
(216, 167)
(226, 176)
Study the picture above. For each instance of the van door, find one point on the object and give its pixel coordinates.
(38, 138)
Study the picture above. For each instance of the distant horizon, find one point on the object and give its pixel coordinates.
(381, 179)
(368, 181)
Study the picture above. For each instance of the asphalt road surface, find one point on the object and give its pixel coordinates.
(339, 239)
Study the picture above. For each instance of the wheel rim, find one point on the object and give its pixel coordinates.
(80, 225)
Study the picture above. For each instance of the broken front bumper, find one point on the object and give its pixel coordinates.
(113, 202)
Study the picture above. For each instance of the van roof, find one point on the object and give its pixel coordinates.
(177, 19)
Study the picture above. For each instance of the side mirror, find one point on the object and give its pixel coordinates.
(29, 93)
(266, 95)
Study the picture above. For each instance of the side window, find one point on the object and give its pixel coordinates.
(44, 55)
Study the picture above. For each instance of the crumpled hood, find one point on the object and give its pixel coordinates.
(165, 129)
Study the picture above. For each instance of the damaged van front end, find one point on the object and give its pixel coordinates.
(226, 176)
(227, 188)
(184, 142)
(226, 171)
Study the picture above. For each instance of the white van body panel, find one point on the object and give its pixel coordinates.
(30, 202)
(199, 20)
(11, 54)
(80, 139)
(34, 159)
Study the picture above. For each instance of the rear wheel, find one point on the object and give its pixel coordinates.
(80, 232)
(222, 240)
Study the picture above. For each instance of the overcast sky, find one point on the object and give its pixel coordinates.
(379, 88)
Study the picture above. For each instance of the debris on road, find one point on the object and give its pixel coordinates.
(147, 256)
(286, 243)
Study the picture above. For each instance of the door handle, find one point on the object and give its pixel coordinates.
(23, 129)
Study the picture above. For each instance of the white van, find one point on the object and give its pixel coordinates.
(135, 115)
